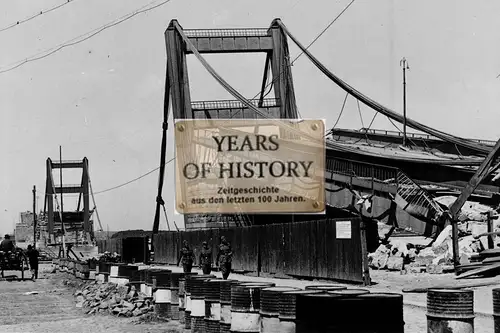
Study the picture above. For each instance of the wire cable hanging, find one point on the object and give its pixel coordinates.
(40, 13)
(79, 39)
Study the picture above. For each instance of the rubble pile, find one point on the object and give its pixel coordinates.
(399, 255)
(110, 298)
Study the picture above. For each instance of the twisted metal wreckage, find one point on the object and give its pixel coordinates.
(394, 182)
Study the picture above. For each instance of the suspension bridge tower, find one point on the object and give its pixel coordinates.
(76, 226)
(179, 44)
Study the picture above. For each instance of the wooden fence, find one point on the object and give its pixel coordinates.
(329, 249)
(131, 249)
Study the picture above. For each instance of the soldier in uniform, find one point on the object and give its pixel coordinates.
(224, 257)
(187, 257)
(206, 259)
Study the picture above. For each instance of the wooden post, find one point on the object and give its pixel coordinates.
(34, 216)
(491, 237)
(62, 210)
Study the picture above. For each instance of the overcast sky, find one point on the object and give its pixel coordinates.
(103, 98)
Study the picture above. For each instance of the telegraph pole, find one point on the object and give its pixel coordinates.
(34, 216)
(403, 63)
(62, 210)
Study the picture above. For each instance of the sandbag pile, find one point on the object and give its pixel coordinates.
(113, 299)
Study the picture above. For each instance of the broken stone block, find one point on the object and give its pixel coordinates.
(464, 259)
(412, 253)
(103, 305)
(80, 299)
(79, 305)
(434, 269)
(411, 269)
(445, 234)
(423, 260)
(395, 263)
(136, 312)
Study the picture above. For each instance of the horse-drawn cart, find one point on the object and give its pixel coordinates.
(13, 261)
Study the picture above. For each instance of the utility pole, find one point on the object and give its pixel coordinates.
(34, 216)
(403, 63)
(62, 210)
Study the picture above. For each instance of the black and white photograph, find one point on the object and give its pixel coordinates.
(285, 166)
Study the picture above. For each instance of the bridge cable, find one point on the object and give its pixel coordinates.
(292, 129)
(300, 54)
(384, 110)
(360, 115)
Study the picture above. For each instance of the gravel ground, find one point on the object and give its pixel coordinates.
(53, 308)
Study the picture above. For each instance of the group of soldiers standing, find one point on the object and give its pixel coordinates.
(224, 258)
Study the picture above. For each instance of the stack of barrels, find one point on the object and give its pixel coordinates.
(205, 304)
(225, 305)
(245, 306)
(187, 300)
(197, 291)
(175, 295)
(113, 273)
(162, 293)
(142, 280)
(182, 300)
(212, 305)
(104, 269)
(270, 308)
(125, 274)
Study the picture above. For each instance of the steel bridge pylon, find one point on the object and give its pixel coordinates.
(272, 41)
(78, 220)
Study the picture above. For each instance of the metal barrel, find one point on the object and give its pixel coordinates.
(259, 284)
(162, 277)
(287, 308)
(496, 309)
(450, 311)
(349, 292)
(113, 272)
(270, 308)
(104, 268)
(124, 273)
(135, 280)
(379, 305)
(142, 279)
(127, 271)
(245, 307)
(150, 273)
(175, 294)
(188, 300)
(325, 287)
(225, 305)
(212, 305)
(162, 293)
(182, 306)
(197, 289)
(314, 313)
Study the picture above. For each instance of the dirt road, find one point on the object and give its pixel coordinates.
(52, 310)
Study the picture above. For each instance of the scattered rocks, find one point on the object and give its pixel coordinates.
(122, 301)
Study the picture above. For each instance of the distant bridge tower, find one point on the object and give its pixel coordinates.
(74, 221)
(271, 41)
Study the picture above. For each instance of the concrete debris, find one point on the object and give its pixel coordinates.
(471, 211)
(110, 298)
(403, 256)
